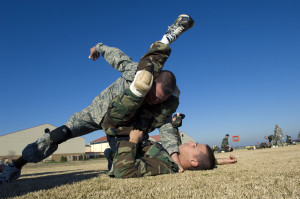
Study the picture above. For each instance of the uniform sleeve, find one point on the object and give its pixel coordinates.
(118, 60)
(168, 139)
(177, 122)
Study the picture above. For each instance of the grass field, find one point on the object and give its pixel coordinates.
(263, 173)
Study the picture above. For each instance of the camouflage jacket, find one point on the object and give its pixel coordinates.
(147, 159)
(224, 144)
(278, 132)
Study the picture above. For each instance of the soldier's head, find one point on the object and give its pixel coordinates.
(227, 135)
(162, 88)
(195, 156)
(276, 125)
(266, 137)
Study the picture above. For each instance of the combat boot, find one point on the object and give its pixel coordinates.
(10, 173)
(182, 24)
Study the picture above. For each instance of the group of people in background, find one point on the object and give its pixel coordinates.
(277, 138)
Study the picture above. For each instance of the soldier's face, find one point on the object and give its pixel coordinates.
(192, 149)
(156, 94)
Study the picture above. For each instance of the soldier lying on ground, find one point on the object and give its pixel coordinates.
(136, 158)
(91, 118)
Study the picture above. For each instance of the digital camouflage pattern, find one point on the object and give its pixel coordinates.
(88, 120)
(279, 135)
(177, 123)
(148, 159)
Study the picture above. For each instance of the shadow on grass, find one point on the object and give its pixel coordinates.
(53, 179)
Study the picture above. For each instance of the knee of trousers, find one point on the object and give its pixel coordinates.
(39, 150)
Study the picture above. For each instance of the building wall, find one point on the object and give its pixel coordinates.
(99, 147)
(12, 145)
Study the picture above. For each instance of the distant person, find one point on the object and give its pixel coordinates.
(289, 140)
(263, 145)
(177, 122)
(137, 158)
(225, 145)
(271, 139)
(216, 149)
(279, 135)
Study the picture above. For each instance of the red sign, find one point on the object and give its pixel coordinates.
(236, 138)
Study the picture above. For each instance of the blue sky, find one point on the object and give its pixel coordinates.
(237, 68)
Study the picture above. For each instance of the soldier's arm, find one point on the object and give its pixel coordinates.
(231, 160)
(115, 57)
(177, 122)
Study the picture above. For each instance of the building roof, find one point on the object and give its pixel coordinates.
(102, 139)
(156, 137)
(29, 128)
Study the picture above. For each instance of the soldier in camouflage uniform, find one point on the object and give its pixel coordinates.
(137, 158)
(89, 119)
(177, 122)
(272, 140)
(279, 135)
(288, 140)
(225, 145)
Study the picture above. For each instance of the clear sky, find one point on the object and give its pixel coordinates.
(238, 68)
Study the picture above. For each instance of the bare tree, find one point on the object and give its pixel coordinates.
(11, 154)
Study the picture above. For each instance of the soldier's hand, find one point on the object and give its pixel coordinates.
(94, 55)
(135, 136)
(232, 159)
(174, 156)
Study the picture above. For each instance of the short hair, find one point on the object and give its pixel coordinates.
(206, 161)
(167, 80)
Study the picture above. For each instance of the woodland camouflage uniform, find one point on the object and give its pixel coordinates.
(137, 160)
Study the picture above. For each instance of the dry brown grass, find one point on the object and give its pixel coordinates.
(264, 173)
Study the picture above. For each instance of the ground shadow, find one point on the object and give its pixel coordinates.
(53, 179)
